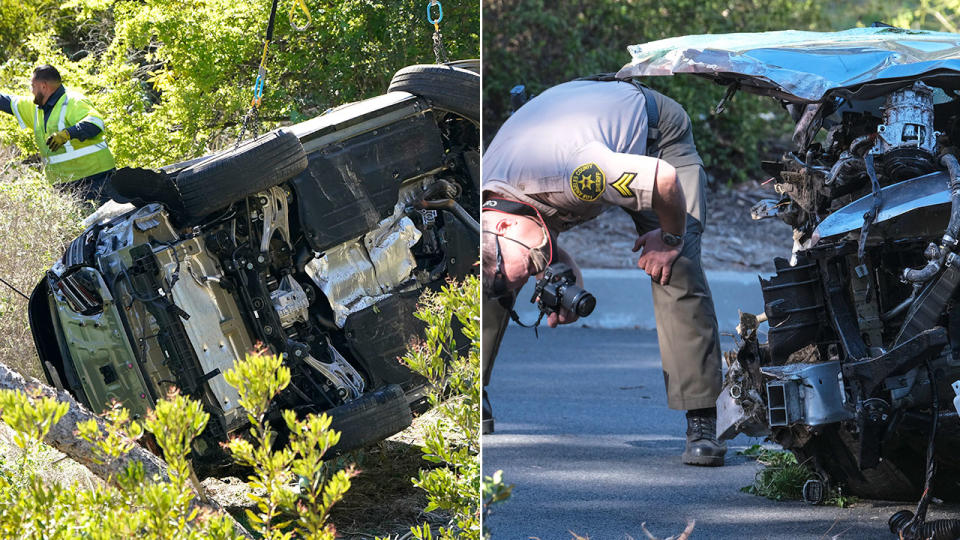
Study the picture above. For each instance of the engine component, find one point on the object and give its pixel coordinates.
(811, 394)
(290, 301)
(906, 138)
(927, 308)
(275, 216)
(794, 308)
(357, 274)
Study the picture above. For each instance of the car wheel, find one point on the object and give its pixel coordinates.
(225, 178)
(898, 476)
(448, 88)
(470, 64)
(374, 416)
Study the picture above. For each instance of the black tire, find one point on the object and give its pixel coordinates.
(372, 417)
(225, 178)
(470, 64)
(900, 474)
(448, 88)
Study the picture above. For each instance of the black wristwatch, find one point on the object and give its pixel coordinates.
(672, 240)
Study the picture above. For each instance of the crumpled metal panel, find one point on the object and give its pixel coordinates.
(357, 274)
(816, 396)
(896, 199)
(805, 66)
(101, 352)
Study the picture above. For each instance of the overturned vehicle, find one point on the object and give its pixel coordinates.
(314, 241)
(863, 340)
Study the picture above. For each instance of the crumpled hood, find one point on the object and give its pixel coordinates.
(805, 67)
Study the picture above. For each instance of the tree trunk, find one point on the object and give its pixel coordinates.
(62, 436)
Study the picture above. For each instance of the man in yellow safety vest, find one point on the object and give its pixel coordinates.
(69, 133)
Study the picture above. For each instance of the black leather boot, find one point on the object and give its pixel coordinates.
(703, 448)
(486, 425)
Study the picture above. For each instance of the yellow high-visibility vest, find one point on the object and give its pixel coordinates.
(75, 159)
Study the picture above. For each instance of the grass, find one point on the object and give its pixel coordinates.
(782, 477)
(37, 225)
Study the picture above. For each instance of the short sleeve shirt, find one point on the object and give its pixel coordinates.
(574, 150)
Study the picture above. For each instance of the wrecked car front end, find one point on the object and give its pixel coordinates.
(862, 319)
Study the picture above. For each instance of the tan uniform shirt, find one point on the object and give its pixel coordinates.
(574, 150)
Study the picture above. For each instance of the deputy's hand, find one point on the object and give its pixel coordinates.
(657, 257)
(561, 317)
(58, 139)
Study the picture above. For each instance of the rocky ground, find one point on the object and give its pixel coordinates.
(732, 240)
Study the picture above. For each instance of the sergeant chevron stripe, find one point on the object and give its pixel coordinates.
(622, 184)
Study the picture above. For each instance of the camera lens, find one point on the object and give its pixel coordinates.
(578, 300)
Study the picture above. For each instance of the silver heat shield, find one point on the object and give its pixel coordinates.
(357, 274)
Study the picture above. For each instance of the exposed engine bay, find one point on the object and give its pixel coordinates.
(863, 318)
(852, 363)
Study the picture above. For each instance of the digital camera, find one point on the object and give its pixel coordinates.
(558, 289)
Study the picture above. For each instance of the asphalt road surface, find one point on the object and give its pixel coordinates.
(584, 434)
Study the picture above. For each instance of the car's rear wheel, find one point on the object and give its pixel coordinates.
(447, 87)
(900, 474)
(225, 178)
(374, 416)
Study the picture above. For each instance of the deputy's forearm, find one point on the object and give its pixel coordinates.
(668, 201)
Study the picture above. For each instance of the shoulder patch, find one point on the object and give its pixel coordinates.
(588, 182)
(622, 184)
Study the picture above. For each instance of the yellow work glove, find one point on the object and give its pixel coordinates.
(58, 139)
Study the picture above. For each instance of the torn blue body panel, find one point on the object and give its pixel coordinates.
(807, 67)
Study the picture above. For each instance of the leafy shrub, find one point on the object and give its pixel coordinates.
(453, 372)
(782, 478)
(132, 505)
(542, 44)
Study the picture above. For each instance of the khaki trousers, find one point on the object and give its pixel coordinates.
(686, 319)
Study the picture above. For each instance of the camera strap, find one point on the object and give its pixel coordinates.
(506, 304)
(517, 208)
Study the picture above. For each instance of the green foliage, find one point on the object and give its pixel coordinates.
(782, 478)
(452, 369)
(174, 79)
(494, 492)
(31, 419)
(132, 505)
(258, 379)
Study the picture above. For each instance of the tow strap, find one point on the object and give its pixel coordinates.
(439, 50)
(253, 115)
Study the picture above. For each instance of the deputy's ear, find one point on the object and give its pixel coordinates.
(503, 224)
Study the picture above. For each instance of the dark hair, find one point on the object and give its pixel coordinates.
(47, 73)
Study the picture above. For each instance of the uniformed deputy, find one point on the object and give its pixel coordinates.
(562, 159)
(68, 132)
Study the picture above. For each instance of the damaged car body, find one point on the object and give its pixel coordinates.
(863, 342)
(313, 241)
